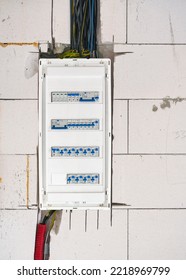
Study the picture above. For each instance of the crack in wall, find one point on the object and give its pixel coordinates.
(27, 180)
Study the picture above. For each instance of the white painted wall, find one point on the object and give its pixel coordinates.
(149, 147)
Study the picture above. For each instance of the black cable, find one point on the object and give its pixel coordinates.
(47, 216)
(95, 27)
(71, 24)
(52, 29)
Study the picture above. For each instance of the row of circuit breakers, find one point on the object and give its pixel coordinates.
(75, 133)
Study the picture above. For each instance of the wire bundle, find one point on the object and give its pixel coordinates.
(83, 31)
(83, 14)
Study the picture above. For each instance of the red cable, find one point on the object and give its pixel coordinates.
(40, 241)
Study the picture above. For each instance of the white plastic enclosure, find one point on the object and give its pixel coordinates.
(74, 133)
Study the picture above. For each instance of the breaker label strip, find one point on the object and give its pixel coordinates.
(76, 124)
(83, 178)
(75, 151)
(85, 96)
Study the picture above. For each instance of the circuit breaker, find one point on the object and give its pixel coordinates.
(74, 133)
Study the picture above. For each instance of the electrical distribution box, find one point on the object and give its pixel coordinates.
(74, 133)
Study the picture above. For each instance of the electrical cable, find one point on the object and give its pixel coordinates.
(41, 233)
(52, 28)
(83, 33)
(47, 216)
(47, 238)
(39, 242)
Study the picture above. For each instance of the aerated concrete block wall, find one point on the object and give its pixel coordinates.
(149, 128)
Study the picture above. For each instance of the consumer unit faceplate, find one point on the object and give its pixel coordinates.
(74, 133)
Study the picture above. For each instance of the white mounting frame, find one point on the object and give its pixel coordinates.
(74, 75)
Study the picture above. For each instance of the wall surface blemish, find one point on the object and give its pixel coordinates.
(154, 108)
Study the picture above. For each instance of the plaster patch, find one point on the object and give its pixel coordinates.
(58, 220)
(165, 103)
(31, 65)
(178, 99)
(154, 108)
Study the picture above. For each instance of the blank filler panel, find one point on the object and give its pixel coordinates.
(75, 133)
